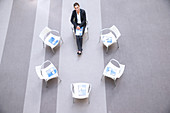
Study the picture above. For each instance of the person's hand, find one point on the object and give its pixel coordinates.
(78, 27)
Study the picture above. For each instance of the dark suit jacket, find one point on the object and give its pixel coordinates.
(74, 18)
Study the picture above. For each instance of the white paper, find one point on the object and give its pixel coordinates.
(79, 32)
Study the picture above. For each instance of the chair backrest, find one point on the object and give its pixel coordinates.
(116, 31)
(38, 71)
(121, 68)
(44, 33)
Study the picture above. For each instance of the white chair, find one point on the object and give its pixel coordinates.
(47, 71)
(85, 31)
(111, 37)
(113, 71)
(48, 37)
(80, 91)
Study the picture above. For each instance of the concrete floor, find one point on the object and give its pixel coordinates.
(143, 48)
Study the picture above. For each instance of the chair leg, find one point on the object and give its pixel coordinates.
(117, 44)
(59, 80)
(102, 77)
(73, 100)
(62, 41)
(72, 32)
(88, 99)
(107, 49)
(87, 34)
(74, 36)
(43, 44)
(52, 50)
(46, 85)
(114, 82)
(99, 39)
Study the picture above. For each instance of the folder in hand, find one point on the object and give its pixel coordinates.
(79, 32)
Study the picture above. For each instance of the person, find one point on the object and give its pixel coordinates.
(78, 19)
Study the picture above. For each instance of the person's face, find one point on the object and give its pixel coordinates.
(77, 8)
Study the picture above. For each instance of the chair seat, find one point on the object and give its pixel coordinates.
(81, 90)
(52, 40)
(108, 39)
(111, 71)
(49, 72)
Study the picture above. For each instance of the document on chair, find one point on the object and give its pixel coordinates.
(52, 40)
(79, 32)
(52, 71)
(110, 71)
(82, 90)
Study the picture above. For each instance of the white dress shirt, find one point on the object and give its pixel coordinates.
(78, 18)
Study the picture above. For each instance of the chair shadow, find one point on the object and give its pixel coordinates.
(81, 101)
(112, 49)
(51, 84)
(111, 84)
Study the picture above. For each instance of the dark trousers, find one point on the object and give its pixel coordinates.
(79, 40)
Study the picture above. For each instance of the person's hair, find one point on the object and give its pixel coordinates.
(75, 4)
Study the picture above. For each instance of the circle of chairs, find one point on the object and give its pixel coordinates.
(47, 71)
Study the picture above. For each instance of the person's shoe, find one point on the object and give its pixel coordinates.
(80, 52)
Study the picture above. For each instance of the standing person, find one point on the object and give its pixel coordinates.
(78, 19)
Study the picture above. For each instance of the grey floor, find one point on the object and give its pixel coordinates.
(144, 49)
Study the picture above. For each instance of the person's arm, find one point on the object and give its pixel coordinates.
(73, 19)
(84, 18)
